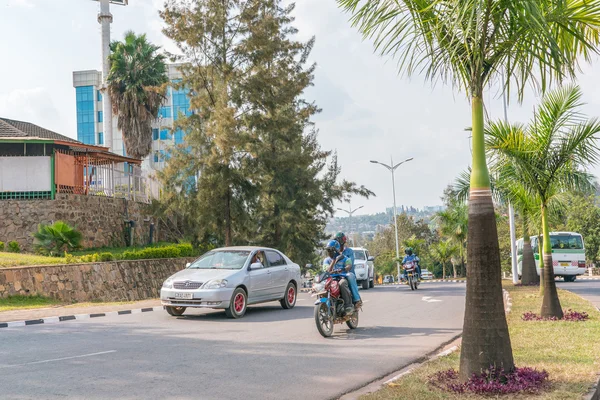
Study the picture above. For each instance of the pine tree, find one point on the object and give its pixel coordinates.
(260, 176)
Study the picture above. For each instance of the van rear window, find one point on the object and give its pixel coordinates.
(566, 242)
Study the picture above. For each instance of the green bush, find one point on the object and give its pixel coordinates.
(56, 238)
(13, 247)
(153, 252)
(104, 257)
(1, 246)
(186, 250)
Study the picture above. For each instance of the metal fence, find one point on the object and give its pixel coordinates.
(90, 175)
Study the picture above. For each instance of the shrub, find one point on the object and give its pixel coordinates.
(14, 247)
(104, 257)
(494, 381)
(569, 315)
(56, 238)
(1, 246)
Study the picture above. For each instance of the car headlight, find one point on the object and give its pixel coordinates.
(168, 284)
(215, 284)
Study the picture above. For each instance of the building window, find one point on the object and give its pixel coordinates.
(155, 157)
(165, 134)
(154, 134)
(100, 116)
(165, 112)
(100, 138)
(178, 136)
(86, 128)
(98, 95)
(181, 103)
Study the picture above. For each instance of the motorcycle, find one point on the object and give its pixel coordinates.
(411, 274)
(329, 307)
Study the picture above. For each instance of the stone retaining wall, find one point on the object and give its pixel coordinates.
(101, 220)
(109, 281)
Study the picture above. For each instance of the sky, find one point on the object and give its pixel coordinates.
(369, 110)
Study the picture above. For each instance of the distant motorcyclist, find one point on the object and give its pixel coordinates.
(411, 257)
(338, 263)
(348, 252)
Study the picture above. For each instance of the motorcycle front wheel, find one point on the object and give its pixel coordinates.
(324, 320)
(411, 282)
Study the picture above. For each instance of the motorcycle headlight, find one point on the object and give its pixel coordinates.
(317, 287)
(168, 284)
(216, 284)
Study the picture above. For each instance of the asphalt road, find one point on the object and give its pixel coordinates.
(588, 289)
(269, 354)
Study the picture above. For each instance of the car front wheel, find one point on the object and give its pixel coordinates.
(289, 300)
(238, 304)
(175, 311)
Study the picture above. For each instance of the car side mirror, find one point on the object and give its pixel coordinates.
(255, 266)
(371, 258)
(188, 265)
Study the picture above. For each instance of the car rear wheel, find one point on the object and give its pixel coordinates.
(569, 278)
(175, 311)
(238, 304)
(289, 300)
(365, 284)
(372, 284)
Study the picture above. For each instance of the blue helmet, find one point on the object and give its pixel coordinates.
(333, 245)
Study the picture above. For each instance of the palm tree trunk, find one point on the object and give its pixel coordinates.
(443, 270)
(454, 269)
(528, 272)
(550, 304)
(541, 262)
(486, 340)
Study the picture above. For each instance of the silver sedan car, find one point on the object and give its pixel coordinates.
(232, 278)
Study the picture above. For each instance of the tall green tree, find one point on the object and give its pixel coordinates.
(471, 43)
(548, 158)
(295, 186)
(582, 215)
(206, 176)
(454, 224)
(136, 86)
(251, 169)
(443, 252)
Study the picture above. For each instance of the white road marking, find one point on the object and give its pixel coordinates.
(59, 359)
(429, 299)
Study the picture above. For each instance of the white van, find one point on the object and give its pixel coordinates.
(364, 269)
(568, 254)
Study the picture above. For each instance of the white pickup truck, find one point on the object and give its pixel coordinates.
(364, 269)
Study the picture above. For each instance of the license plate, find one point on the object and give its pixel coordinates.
(186, 296)
(564, 264)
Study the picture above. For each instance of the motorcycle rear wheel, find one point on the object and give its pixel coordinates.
(324, 320)
(353, 321)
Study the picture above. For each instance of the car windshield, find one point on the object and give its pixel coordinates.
(230, 259)
(359, 255)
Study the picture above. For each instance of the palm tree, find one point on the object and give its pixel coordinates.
(443, 252)
(54, 239)
(547, 158)
(503, 194)
(136, 86)
(454, 223)
(471, 43)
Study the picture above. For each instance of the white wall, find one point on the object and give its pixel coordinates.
(25, 174)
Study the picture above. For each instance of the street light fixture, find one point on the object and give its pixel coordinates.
(392, 168)
(350, 211)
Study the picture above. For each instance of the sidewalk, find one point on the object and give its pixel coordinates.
(61, 311)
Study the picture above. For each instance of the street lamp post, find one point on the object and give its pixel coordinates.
(392, 168)
(350, 211)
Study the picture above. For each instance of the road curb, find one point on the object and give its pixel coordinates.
(63, 318)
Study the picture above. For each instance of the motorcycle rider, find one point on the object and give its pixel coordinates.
(411, 257)
(348, 252)
(336, 262)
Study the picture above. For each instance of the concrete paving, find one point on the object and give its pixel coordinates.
(269, 354)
